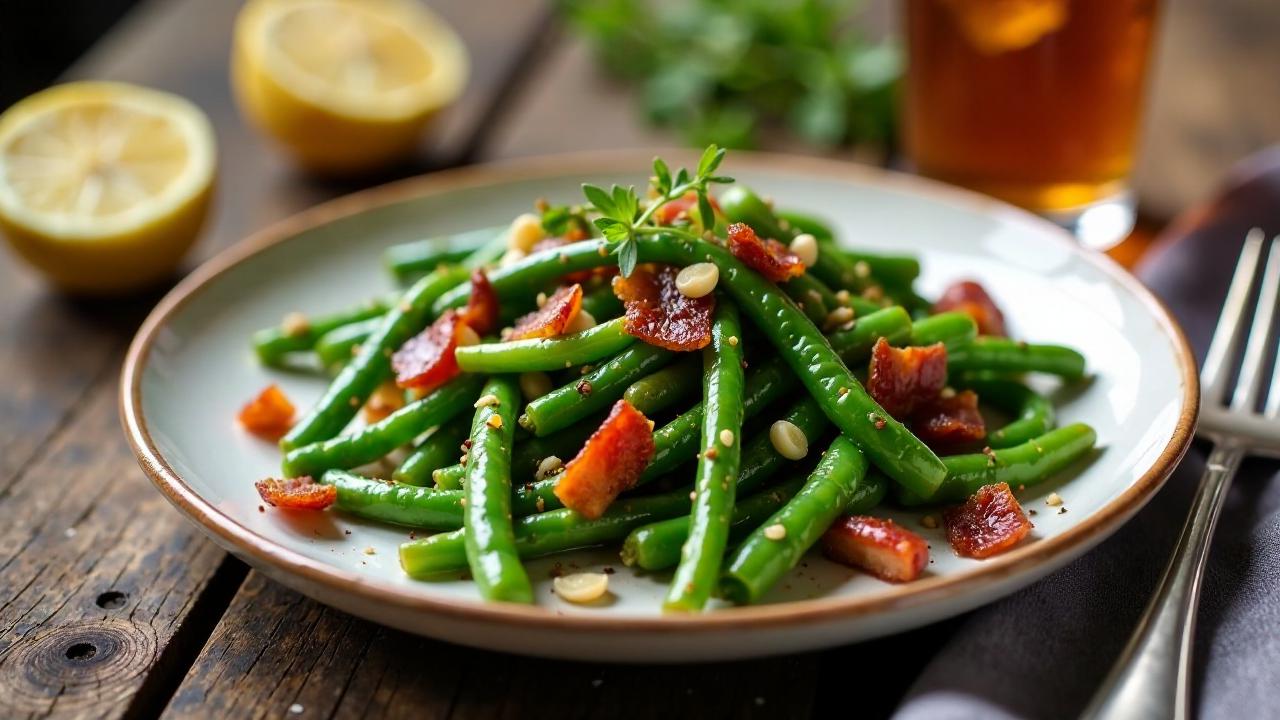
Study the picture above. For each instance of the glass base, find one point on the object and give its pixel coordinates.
(1100, 225)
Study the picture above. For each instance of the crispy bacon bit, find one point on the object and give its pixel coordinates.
(768, 257)
(482, 305)
(426, 361)
(950, 420)
(971, 298)
(553, 317)
(987, 524)
(903, 379)
(683, 207)
(610, 462)
(269, 415)
(300, 493)
(878, 546)
(387, 399)
(659, 314)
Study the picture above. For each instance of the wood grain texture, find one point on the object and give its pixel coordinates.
(100, 577)
(275, 650)
(106, 593)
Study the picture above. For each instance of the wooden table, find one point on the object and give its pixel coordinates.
(114, 605)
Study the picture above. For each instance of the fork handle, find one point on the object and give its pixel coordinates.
(1152, 678)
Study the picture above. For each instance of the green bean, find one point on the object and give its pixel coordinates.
(374, 441)
(488, 538)
(798, 222)
(952, 329)
(677, 441)
(597, 343)
(545, 533)
(415, 507)
(372, 364)
(1001, 355)
(740, 204)
(892, 323)
(808, 294)
(1034, 412)
(1027, 464)
(665, 387)
(602, 303)
(592, 392)
(273, 344)
(336, 347)
(869, 494)
(526, 278)
(657, 546)
(439, 449)
(801, 345)
(778, 544)
(838, 271)
(889, 269)
(760, 460)
(449, 478)
(474, 248)
(714, 485)
(901, 455)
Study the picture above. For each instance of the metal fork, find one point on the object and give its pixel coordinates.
(1152, 678)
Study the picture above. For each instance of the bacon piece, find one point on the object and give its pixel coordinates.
(949, 420)
(903, 379)
(878, 546)
(387, 399)
(300, 493)
(269, 415)
(610, 462)
(657, 312)
(685, 206)
(972, 299)
(553, 317)
(987, 524)
(481, 314)
(426, 361)
(768, 257)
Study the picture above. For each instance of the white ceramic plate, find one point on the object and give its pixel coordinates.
(190, 369)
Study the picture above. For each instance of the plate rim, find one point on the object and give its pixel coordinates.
(991, 573)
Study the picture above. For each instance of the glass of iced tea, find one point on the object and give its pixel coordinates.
(1033, 101)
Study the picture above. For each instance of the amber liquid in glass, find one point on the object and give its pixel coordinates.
(1033, 101)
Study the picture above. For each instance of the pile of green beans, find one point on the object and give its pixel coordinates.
(731, 515)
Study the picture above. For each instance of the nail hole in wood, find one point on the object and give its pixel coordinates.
(81, 651)
(112, 600)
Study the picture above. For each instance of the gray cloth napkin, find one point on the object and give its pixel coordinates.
(1043, 652)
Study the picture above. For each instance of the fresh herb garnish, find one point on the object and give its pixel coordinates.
(622, 221)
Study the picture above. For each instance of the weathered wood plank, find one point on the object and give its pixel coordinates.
(79, 518)
(99, 575)
(275, 650)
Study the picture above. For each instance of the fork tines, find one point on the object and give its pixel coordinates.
(1236, 419)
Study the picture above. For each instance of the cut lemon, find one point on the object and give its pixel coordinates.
(104, 186)
(344, 85)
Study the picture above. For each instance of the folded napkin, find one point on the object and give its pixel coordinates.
(1044, 651)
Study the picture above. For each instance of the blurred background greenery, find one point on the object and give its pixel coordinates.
(726, 70)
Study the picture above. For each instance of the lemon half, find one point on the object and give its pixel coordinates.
(104, 186)
(345, 85)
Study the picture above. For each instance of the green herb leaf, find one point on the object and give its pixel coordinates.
(662, 176)
(710, 160)
(706, 213)
(626, 202)
(628, 254)
(598, 197)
